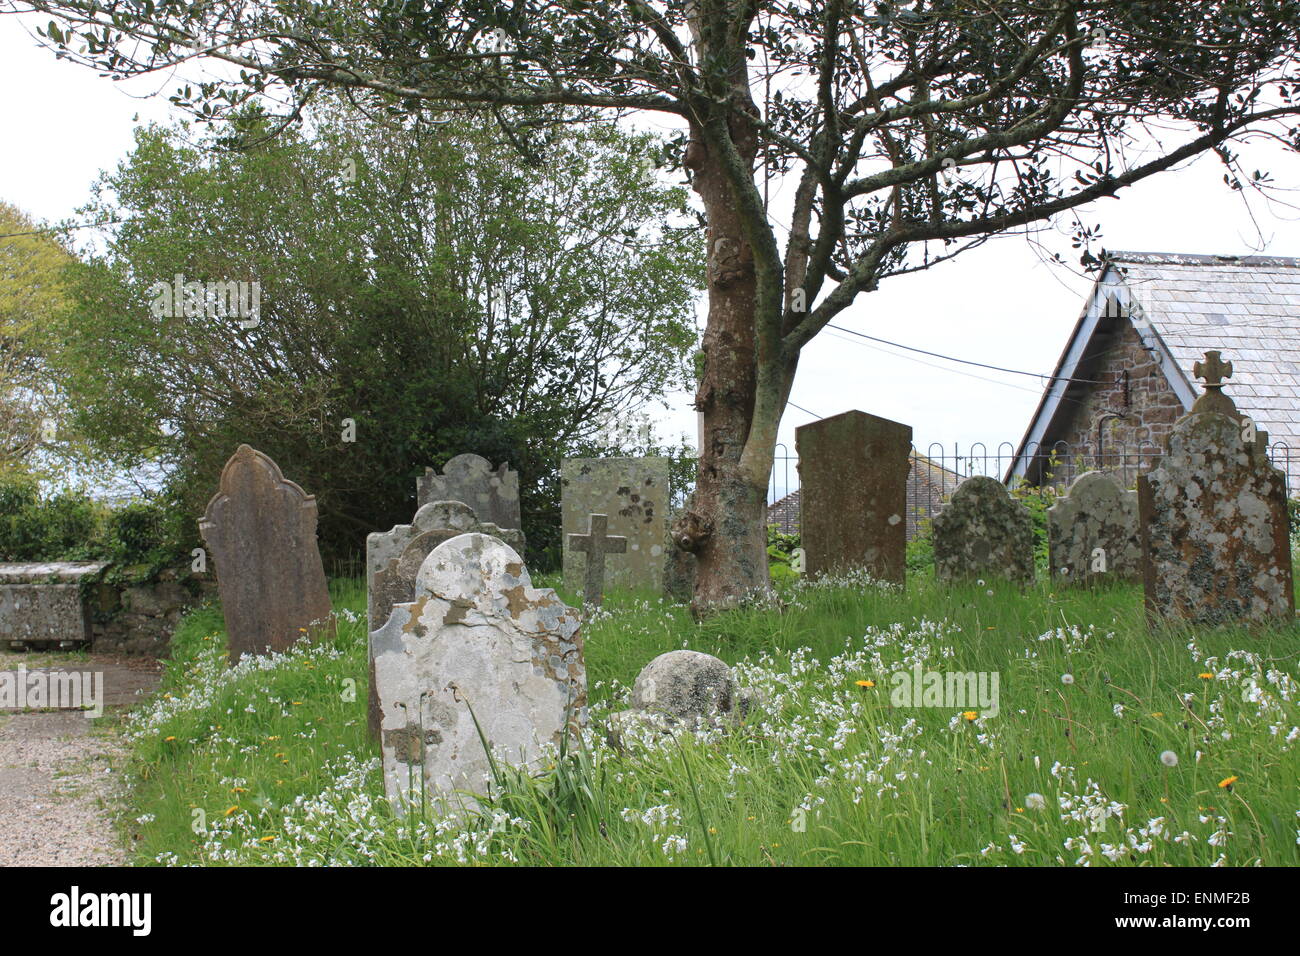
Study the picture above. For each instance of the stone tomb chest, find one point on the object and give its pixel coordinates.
(42, 605)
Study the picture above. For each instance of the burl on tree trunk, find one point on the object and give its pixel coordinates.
(723, 524)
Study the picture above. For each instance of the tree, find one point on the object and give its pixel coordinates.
(908, 133)
(31, 290)
(406, 292)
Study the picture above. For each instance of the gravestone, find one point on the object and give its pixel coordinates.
(1215, 530)
(633, 492)
(494, 495)
(44, 605)
(853, 472)
(594, 545)
(1092, 532)
(393, 559)
(478, 650)
(260, 532)
(983, 533)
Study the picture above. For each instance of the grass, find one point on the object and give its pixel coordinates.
(269, 763)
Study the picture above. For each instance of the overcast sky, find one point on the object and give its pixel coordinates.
(999, 304)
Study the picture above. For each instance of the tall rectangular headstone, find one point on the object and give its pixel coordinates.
(853, 495)
(1216, 546)
(393, 559)
(478, 656)
(493, 495)
(1093, 534)
(633, 492)
(260, 531)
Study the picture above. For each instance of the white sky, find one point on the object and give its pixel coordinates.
(998, 304)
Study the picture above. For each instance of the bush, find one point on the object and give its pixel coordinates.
(66, 527)
(920, 550)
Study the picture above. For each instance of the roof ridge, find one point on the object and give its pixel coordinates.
(1199, 259)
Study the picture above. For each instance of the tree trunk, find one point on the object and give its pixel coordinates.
(725, 522)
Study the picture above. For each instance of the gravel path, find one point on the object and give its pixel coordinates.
(57, 771)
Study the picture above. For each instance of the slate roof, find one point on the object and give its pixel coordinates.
(1247, 307)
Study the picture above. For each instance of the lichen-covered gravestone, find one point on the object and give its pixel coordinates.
(494, 495)
(479, 637)
(393, 559)
(633, 492)
(1092, 532)
(43, 605)
(983, 533)
(853, 495)
(260, 531)
(1215, 542)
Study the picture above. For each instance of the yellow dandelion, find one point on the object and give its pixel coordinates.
(168, 739)
(971, 714)
(296, 703)
(1207, 676)
(1227, 782)
(238, 790)
(234, 809)
(866, 683)
(281, 754)
(268, 839)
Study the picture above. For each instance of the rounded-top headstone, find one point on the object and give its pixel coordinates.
(685, 684)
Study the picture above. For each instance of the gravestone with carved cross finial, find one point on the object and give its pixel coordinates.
(1215, 529)
(595, 544)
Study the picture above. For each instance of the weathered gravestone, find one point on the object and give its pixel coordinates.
(1215, 541)
(1092, 532)
(260, 529)
(983, 532)
(633, 492)
(478, 651)
(393, 559)
(494, 495)
(853, 495)
(594, 545)
(43, 605)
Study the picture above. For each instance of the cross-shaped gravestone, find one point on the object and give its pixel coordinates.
(595, 544)
(1214, 371)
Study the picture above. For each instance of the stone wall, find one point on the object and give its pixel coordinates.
(139, 619)
(1144, 398)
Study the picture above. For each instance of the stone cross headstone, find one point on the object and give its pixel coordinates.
(260, 532)
(595, 544)
(1092, 532)
(479, 654)
(853, 472)
(393, 559)
(494, 495)
(633, 492)
(983, 533)
(1215, 531)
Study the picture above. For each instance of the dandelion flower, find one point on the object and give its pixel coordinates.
(1035, 801)
(1067, 679)
(268, 839)
(1227, 782)
(1206, 676)
(971, 714)
(168, 739)
(866, 683)
(234, 809)
(1169, 758)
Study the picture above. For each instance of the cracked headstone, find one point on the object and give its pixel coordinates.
(983, 533)
(492, 494)
(853, 472)
(1215, 530)
(260, 531)
(393, 559)
(633, 492)
(1092, 532)
(479, 656)
(594, 545)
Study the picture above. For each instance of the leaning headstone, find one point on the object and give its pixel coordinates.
(260, 530)
(594, 545)
(853, 495)
(45, 606)
(478, 655)
(633, 492)
(494, 495)
(1215, 530)
(983, 533)
(1092, 532)
(393, 559)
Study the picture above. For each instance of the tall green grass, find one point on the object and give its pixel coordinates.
(269, 764)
